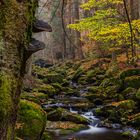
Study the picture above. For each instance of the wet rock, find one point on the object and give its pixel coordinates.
(64, 115)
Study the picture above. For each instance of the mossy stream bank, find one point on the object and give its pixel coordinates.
(69, 90)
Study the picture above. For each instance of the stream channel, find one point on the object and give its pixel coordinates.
(95, 130)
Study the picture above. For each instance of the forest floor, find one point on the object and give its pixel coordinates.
(87, 93)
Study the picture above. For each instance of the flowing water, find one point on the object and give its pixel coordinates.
(93, 132)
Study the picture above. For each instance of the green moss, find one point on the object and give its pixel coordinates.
(77, 74)
(82, 80)
(5, 97)
(30, 18)
(35, 97)
(129, 72)
(46, 136)
(64, 115)
(47, 89)
(53, 78)
(138, 94)
(132, 81)
(127, 104)
(94, 89)
(31, 121)
(57, 86)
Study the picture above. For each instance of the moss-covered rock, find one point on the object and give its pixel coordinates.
(36, 97)
(132, 81)
(47, 89)
(46, 136)
(129, 93)
(82, 80)
(53, 78)
(77, 74)
(126, 104)
(31, 121)
(64, 128)
(95, 89)
(134, 120)
(129, 72)
(57, 86)
(64, 115)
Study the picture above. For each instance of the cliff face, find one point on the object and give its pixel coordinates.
(15, 34)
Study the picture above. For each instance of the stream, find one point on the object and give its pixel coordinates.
(94, 130)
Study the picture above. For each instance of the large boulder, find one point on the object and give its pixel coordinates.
(47, 89)
(36, 97)
(129, 72)
(31, 121)
(132, 81)
(64, 115)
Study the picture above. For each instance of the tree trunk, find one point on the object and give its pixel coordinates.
(15, 32)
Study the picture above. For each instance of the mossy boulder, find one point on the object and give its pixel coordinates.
(57, 86)
(82, 80)
(31, 121)
(65, 128)
(126, 104)
(92, 97)
(112, 89)
(111, 82)
(134, 120)
(77, 74)
(70, 91)
(129, 93)
(91, 76)
(94, 89)
(117, 112)
(64, 115)
(132, 81)
(36, 97)
(129, 72)
(53, 78)
(47, 89)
